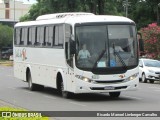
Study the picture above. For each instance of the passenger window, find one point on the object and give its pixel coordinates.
(49, 35)
(37, 42)
(18, 36)
(30, 37)
(59, 35)
(24, 36)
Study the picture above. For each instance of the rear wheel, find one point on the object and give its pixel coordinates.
(114, 94)
(31, 85)
(144, 78)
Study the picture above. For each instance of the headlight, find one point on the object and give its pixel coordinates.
(84, 78)
(131, 77)
(151, 71)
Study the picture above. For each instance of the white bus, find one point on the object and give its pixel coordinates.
(77, 53)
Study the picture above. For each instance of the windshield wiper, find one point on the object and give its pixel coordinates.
(120, 58)
(100, 56)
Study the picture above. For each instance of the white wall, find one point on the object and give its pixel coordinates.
(20, 10)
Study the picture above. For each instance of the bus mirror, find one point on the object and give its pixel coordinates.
(141, 45)
(72, 47)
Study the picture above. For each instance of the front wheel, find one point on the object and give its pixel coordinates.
(114, 94)
(64, 94)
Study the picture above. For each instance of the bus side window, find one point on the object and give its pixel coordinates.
(26, 36)
(56, 36)
(38, 37)
(33, 35)
(41, 35)
(59, 35)
(18, 36)
(29, 42)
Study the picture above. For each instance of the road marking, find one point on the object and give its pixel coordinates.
(49, 97)
(132, 97)
(75, 103)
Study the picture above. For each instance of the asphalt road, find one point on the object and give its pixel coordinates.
(14, 91)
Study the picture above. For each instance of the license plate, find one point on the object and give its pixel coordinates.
(109, 88)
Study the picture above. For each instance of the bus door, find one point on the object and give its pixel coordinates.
(69, 58)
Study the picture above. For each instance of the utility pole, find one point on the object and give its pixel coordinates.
(126, 8)
(126, 4)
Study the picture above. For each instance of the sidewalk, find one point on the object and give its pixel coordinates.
(5, 104)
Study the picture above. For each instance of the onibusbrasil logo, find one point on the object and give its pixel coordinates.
(11, 113)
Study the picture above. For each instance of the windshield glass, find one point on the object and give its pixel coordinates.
(106, 46)
(152, 63)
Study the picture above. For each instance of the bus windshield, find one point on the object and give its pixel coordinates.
(106, 46)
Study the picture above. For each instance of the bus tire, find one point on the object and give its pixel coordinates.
(114, 94)
(65, 94)
(32, 86)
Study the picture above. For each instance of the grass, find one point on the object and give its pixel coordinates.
(6, 63)
(20, 110)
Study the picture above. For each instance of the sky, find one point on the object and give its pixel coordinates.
(25, 1)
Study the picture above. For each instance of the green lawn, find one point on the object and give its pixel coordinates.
(6, 62)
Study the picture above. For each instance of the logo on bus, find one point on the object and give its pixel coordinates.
(24, 57)
(21, 54)
(122, 76)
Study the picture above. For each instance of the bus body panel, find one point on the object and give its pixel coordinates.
(43, 69)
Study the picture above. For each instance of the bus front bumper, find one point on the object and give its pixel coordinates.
(85, 87)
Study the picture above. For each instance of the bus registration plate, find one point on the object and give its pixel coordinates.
(109, 88)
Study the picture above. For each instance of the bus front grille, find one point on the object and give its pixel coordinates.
(110, 81)
(103, 88)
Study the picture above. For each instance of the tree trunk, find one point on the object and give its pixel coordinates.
(101, 7)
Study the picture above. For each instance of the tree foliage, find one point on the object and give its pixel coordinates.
(6, 36)
(58, 6)
(143, 12)
(151, 36)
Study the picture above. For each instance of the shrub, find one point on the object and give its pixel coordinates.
(151, 36)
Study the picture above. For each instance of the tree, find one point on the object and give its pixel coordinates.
(57, 6)
(6, 36)
(151, 36)
(143, 12)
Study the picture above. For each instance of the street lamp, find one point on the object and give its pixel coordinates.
(126, 4)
